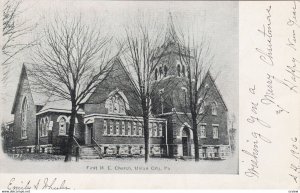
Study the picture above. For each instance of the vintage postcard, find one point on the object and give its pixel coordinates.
(149, 94)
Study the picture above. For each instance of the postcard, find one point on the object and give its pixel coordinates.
(150, 94)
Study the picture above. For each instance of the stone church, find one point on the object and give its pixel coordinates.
(109, 122)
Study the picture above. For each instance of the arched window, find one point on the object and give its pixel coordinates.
(62, 126)
(165, 71)
(41, 126)
(155, 74)
(117, 103)
(160, 72)
(24, 111)
(46, 128)
(178, 70)
(214, 108)
(183, 71)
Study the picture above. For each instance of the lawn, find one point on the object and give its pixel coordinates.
(47, 163)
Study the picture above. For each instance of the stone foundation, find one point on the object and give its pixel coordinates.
(32, 149)
(131, 150)
(205, 152)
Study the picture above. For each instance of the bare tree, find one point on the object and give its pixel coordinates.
(198, 59)
(142, 54)
(70, 61)
(14, 30)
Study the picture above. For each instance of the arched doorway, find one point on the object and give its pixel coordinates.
(186, 142)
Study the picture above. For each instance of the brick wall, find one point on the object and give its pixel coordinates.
(53, 136)
(24, 91)
(117, 78)
(102, 139)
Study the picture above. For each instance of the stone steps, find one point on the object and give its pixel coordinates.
(89, 152)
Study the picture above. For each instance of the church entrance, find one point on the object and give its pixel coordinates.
(89, 134)
(186, 142)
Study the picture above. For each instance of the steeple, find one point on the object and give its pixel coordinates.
(171, 35)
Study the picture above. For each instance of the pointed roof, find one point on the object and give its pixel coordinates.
(209, 76)
(116, 63)
(39, 98)
(171, 35)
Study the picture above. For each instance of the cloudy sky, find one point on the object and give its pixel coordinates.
(218, 20)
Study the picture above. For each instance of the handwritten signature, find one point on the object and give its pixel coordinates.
(40, 184)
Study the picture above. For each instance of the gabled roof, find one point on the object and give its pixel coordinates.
(39, 98)
(208, 75)
(49, 103)
(116, 61)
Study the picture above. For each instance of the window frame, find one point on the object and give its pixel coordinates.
(117, 127)
(160, 130)
(150, 129)
(140, 131)
(105, 130)
(111, 127)
(154, 130)
(129, 126)
(24, 111)
(134, 129)
(215, 132)
(214, 108)
(202, 128)
(47, 122)
(65, 127)
(123, 129)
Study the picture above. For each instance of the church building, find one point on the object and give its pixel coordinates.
(109, 122)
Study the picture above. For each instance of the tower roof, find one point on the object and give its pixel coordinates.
(171, 35)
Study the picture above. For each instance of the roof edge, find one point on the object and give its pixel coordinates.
(17, 91)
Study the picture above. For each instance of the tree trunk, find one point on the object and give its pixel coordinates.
(71, 131)
(195, 134)
(146, 136)
(146, 127)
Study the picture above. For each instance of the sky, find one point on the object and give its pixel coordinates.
(216, 19)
